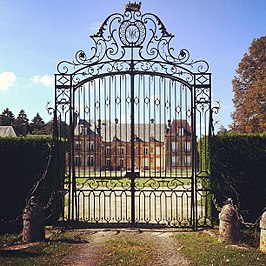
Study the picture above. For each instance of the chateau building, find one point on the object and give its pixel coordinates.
(107, 146)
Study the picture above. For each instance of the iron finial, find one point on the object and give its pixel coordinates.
(133, 6)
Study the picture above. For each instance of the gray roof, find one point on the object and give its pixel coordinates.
(143, 132)
(7, 131)
(122, 132)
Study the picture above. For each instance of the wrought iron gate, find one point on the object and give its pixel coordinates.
(136, 122)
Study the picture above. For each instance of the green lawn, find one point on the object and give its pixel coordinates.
(127, 251)
(50, 252)
(204, 249)
(200, 248)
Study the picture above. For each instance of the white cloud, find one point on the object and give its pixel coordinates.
(45, 80)
(7, 79)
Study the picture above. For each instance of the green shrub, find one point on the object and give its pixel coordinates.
(23, 162)
(238, 172)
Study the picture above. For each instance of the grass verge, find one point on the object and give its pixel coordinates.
(8, 239)
(203, 249)
(45, 253)
(124, 250)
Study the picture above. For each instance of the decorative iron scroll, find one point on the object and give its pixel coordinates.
(138, 116)
(133, 42)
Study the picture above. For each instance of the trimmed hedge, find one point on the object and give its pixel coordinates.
(239, 171)
(22, 163)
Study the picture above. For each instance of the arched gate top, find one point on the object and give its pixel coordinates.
(133, 42)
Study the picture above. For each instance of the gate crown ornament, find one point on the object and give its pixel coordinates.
(132, 6)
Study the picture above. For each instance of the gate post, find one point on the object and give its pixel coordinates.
(229, 224)
(263, 233)
(33, 221)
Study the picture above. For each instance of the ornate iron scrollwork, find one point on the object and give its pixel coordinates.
(132, 38)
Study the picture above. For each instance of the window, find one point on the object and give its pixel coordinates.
(78, 145)
(108, 162)
(121, 162)
(91, 146)
(188, 161)
(108, 150)
(158, 150)
(174, 160)
(188, 146)
(83, 130)
(78, 160)
(121, 150)
(90, 161)
(180, 131)
(146, 162)
(146, 150)
(174, 146)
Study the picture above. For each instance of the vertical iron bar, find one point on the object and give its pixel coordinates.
(71, 122)
(132, 115)
(194, 153)
(209, 149)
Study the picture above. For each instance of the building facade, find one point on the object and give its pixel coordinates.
(156, 147)
(178, 146)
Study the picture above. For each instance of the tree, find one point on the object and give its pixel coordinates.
(222, 130)
(37, 125)
(7, 118)
(249, 87)
(21, 123)
(48, 128)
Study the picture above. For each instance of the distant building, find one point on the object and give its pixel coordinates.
(87, 146)
(7, 131)
(108, 146)
(178, 145)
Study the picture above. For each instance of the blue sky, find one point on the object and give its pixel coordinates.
(36, 35)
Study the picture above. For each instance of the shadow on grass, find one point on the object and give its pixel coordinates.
(87, 225)
(19, 254)
(68, 241)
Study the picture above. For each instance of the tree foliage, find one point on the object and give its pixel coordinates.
(249, 87)
(21, 123)
(37, 125)
(7, 118)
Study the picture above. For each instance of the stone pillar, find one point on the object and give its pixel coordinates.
(229, 228)
(33, 222)
(263, 233)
